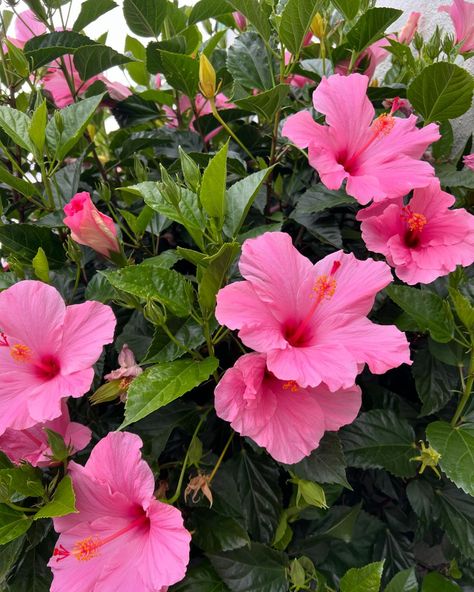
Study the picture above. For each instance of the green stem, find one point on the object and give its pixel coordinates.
(177, 493)
(354, 56)
(215, 112)
(194, 354)
(210, 345)
(18, 508)
(221, 458)
(467, 391)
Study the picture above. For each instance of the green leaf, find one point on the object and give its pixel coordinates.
(200, 578)
(265, 104)
(257, 480)
(20, 185)
(212, 194)
(427, 309)
(240, 197)
(257, 568)
(44, 49)
(326, 464)
(248, 62)
(12, 524)
(75, 119)
(92, 10)
(213, 532)
(443, 147)
(166, 286)
(41, 265)
(379, 439)
(37, 129)
(456, 446)
(435, 582)
(24, 240)
(441, 91)
(185, 331)
(181, 72)
(94, 59)
(295, 22)
(9, 554)
(145, 17)
(214, 276)
(364, 579)
(316, 200)
(405, 581)
(463, 308)
(456, 514)
(205, 9)
(371, 27)
(164, 383)
(435, 382)
(63, 502)
(348, 8)
(23, 480)
(257, 12)
(16, 124)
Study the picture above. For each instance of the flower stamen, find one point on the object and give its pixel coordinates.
(21, 353)
(291, 385)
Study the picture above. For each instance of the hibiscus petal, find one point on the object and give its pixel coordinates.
(302, 130)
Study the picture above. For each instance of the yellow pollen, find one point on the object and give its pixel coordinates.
(86, 549)
(383, 124)
(292, 386)
(324, 287)
(416, 222)
(20, 353)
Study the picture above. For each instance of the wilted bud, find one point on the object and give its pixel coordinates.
(318, 26)
(207, 78)
(199, 484)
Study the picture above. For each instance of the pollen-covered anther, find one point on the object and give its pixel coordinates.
(383, 124)
(21, 353)
(86, 549)
(415, 221)
(291, 386)
(324, 287)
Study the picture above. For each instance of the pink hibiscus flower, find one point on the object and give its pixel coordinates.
(468, 161)
(286, 419)
(122, 538)
(379, 158)
(31, 445)
(374, 55)
(26, 26)
(462, 15)
(422, 240)
(408, 31)
(309, 319)
(47, 351)
(56, 85)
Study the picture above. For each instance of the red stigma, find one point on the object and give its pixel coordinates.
(335, 266)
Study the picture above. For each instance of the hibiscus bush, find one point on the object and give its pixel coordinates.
(236, 316)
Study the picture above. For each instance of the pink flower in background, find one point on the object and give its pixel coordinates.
(128, 365)
(31, 445)
(309, 319)
(408, 31)
(378, 158)
(89, 226)
(279, 415)
(47, 351)
(57, 86)
(468, 161)
(240, 20)
(370, 58)
(422, 240)
(26, 26)
(122, 538)
(462, 15)
(398, 104)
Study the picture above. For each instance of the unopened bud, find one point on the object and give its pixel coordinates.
(207, 77)
(58, 120)
(318, 26)
(154, 313)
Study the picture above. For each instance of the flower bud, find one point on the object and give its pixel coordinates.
(240, 20)
(408, 31)
(318, 26)
(89, 226)
(207, 77)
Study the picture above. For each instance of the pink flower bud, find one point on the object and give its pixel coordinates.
(89, 226)
(469, 161)
(240, 20)
(409, 30)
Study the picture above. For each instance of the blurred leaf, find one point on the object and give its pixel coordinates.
(257, 568)
(364, 579)
(370, 27)
(145, 17)
(463, 308)
(265, 104)
(430, 312)
(37, 131)
(405, 581)
(435, 382)
(164, 383)
(435, 582)
(456, 446)
(441, 91)
(62, 503)
(295, 22)
(41, 265)
(348, 8)
(248, 62)
(91, 10)
(379, 439)
(24, 240)
(257, 12)
(205, 9)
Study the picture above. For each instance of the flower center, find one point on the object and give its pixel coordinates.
(88, 548)
(45, 368)
(323, 289)
(21, 353)
(291, 385)
(415, 223)
(381, 126)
